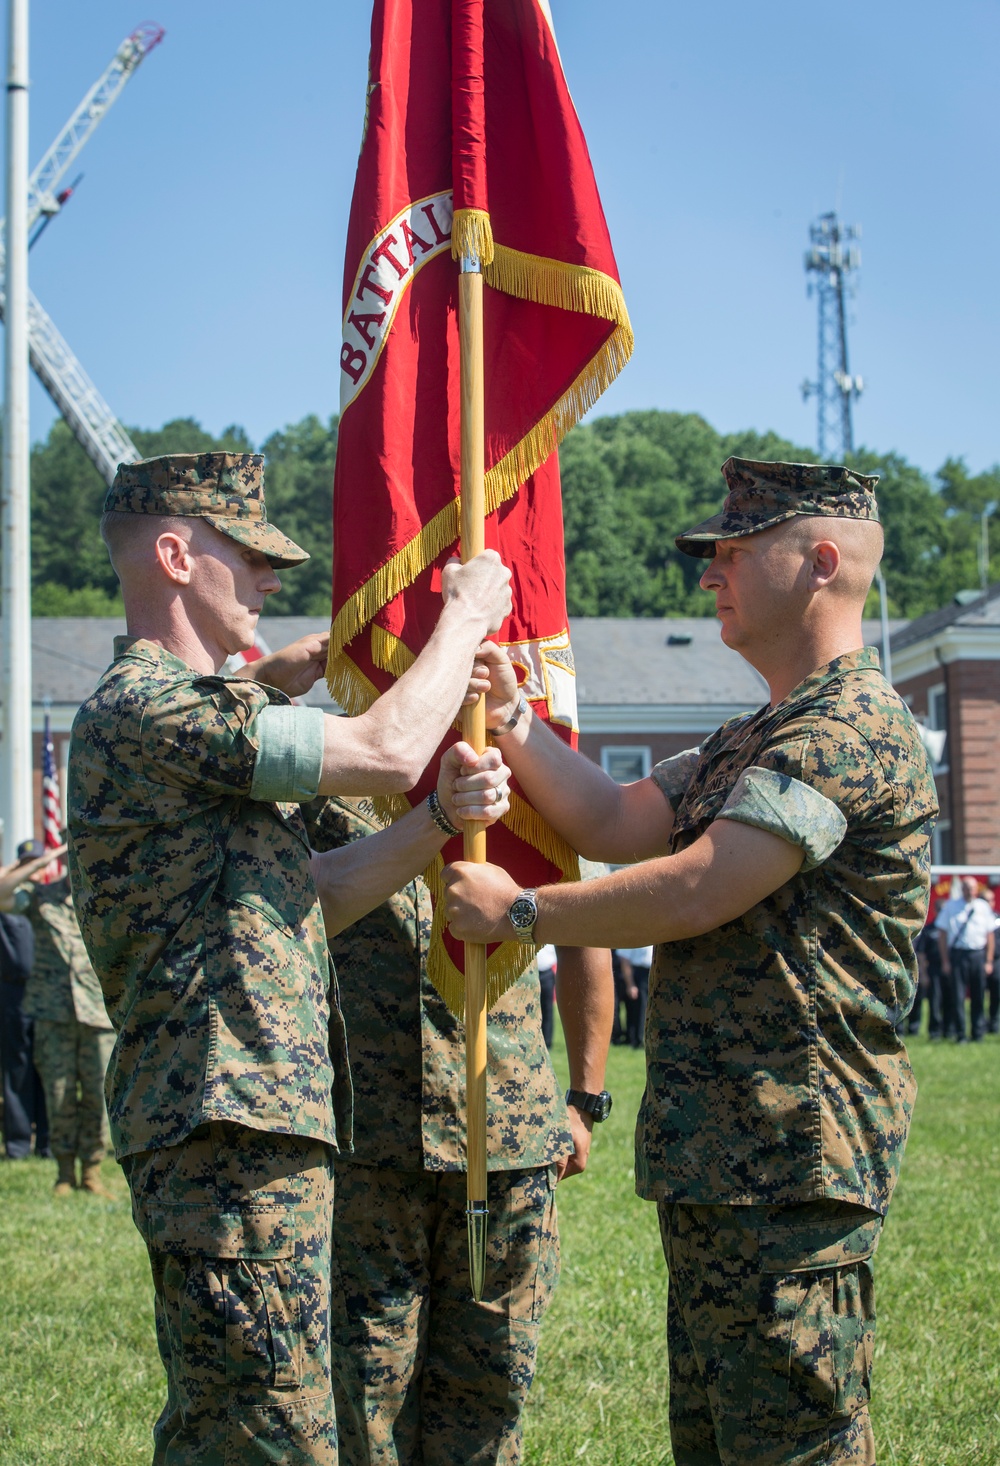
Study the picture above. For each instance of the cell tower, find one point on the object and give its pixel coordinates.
(832, 259)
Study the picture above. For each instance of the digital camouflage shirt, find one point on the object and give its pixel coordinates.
(63, 986)
(774, 1074)
(408, 1049)
(199, 912)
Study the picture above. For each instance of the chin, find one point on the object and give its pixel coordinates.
(730, 635)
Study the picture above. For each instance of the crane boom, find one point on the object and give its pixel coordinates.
(88, 416)
(104, 92)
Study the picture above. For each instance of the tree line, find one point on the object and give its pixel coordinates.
(630, 483)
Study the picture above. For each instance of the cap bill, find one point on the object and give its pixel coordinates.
(279, 549)
(700, 541)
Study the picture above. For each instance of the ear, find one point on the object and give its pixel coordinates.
(825, 564)
(174, 555)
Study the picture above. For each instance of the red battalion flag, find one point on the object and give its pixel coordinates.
(471, 143)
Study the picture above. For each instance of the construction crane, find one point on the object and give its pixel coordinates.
(88, 416)
(831, 259)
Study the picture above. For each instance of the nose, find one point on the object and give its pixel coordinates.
(270, 582)
(712, 577)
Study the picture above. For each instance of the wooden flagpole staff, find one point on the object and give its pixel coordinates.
(473, 542)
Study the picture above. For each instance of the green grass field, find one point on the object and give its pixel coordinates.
(80, 1382)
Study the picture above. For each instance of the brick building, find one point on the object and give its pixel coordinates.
(947, 666)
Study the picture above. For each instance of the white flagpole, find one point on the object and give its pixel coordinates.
(16, 781)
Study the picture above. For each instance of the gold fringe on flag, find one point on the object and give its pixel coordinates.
(389, 653)
(472, 236)
(567, 287)
(548, 282)
(389, 580)
(349, 686)
(503, 967)
(526, 823)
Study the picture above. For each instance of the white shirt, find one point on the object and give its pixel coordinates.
(638, 956)
(967, 923)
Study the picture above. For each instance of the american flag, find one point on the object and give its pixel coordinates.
(51, 804)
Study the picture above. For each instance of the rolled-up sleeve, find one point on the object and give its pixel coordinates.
(786, 807)
(289, 754)
(673, 775)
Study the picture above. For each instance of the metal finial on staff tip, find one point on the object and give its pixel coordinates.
(476, 1214)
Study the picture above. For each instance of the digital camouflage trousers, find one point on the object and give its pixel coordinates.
(770, 1333)
(237, 1224)
(422, 1373)
(72, 1060)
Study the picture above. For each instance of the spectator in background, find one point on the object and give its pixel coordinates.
(546, 960)
(965, 926)
(933, 977)
(23, 1097)
(635, 963)
(926, 950)
(73, 1033)
(993, 976)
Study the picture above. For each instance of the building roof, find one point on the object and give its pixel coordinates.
(978, 613)
(675, 659)
(650, 661)
(69, 654)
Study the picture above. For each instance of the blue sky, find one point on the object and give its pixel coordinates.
(197, 272)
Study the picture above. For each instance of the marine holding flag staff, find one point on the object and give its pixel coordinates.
(784, 875)
(229, 1087)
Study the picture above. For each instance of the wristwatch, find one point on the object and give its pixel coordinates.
(522, 913)
(597, 1106)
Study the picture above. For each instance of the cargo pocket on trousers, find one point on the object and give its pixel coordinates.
(264, 1345)
(815, 1336)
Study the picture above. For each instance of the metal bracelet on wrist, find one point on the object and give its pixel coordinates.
(439, 817)
(513, 720)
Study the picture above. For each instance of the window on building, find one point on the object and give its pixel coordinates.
(942, 850)
(625, 765)
(937, 720)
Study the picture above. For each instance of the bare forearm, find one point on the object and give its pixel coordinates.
(386, 749)
(353, 879)
(599, 818)
(585, 990)
(728, 869)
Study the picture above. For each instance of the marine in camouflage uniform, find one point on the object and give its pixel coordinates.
(778, 1093)
(228, 1088)
(73, 1034)
(421, 1371)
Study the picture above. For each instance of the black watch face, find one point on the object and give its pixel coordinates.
(602, 1109)
(523, 913)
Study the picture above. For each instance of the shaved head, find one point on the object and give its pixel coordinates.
(859, 541)
(130, 537)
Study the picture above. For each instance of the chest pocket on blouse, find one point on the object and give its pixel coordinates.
(267, 865)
